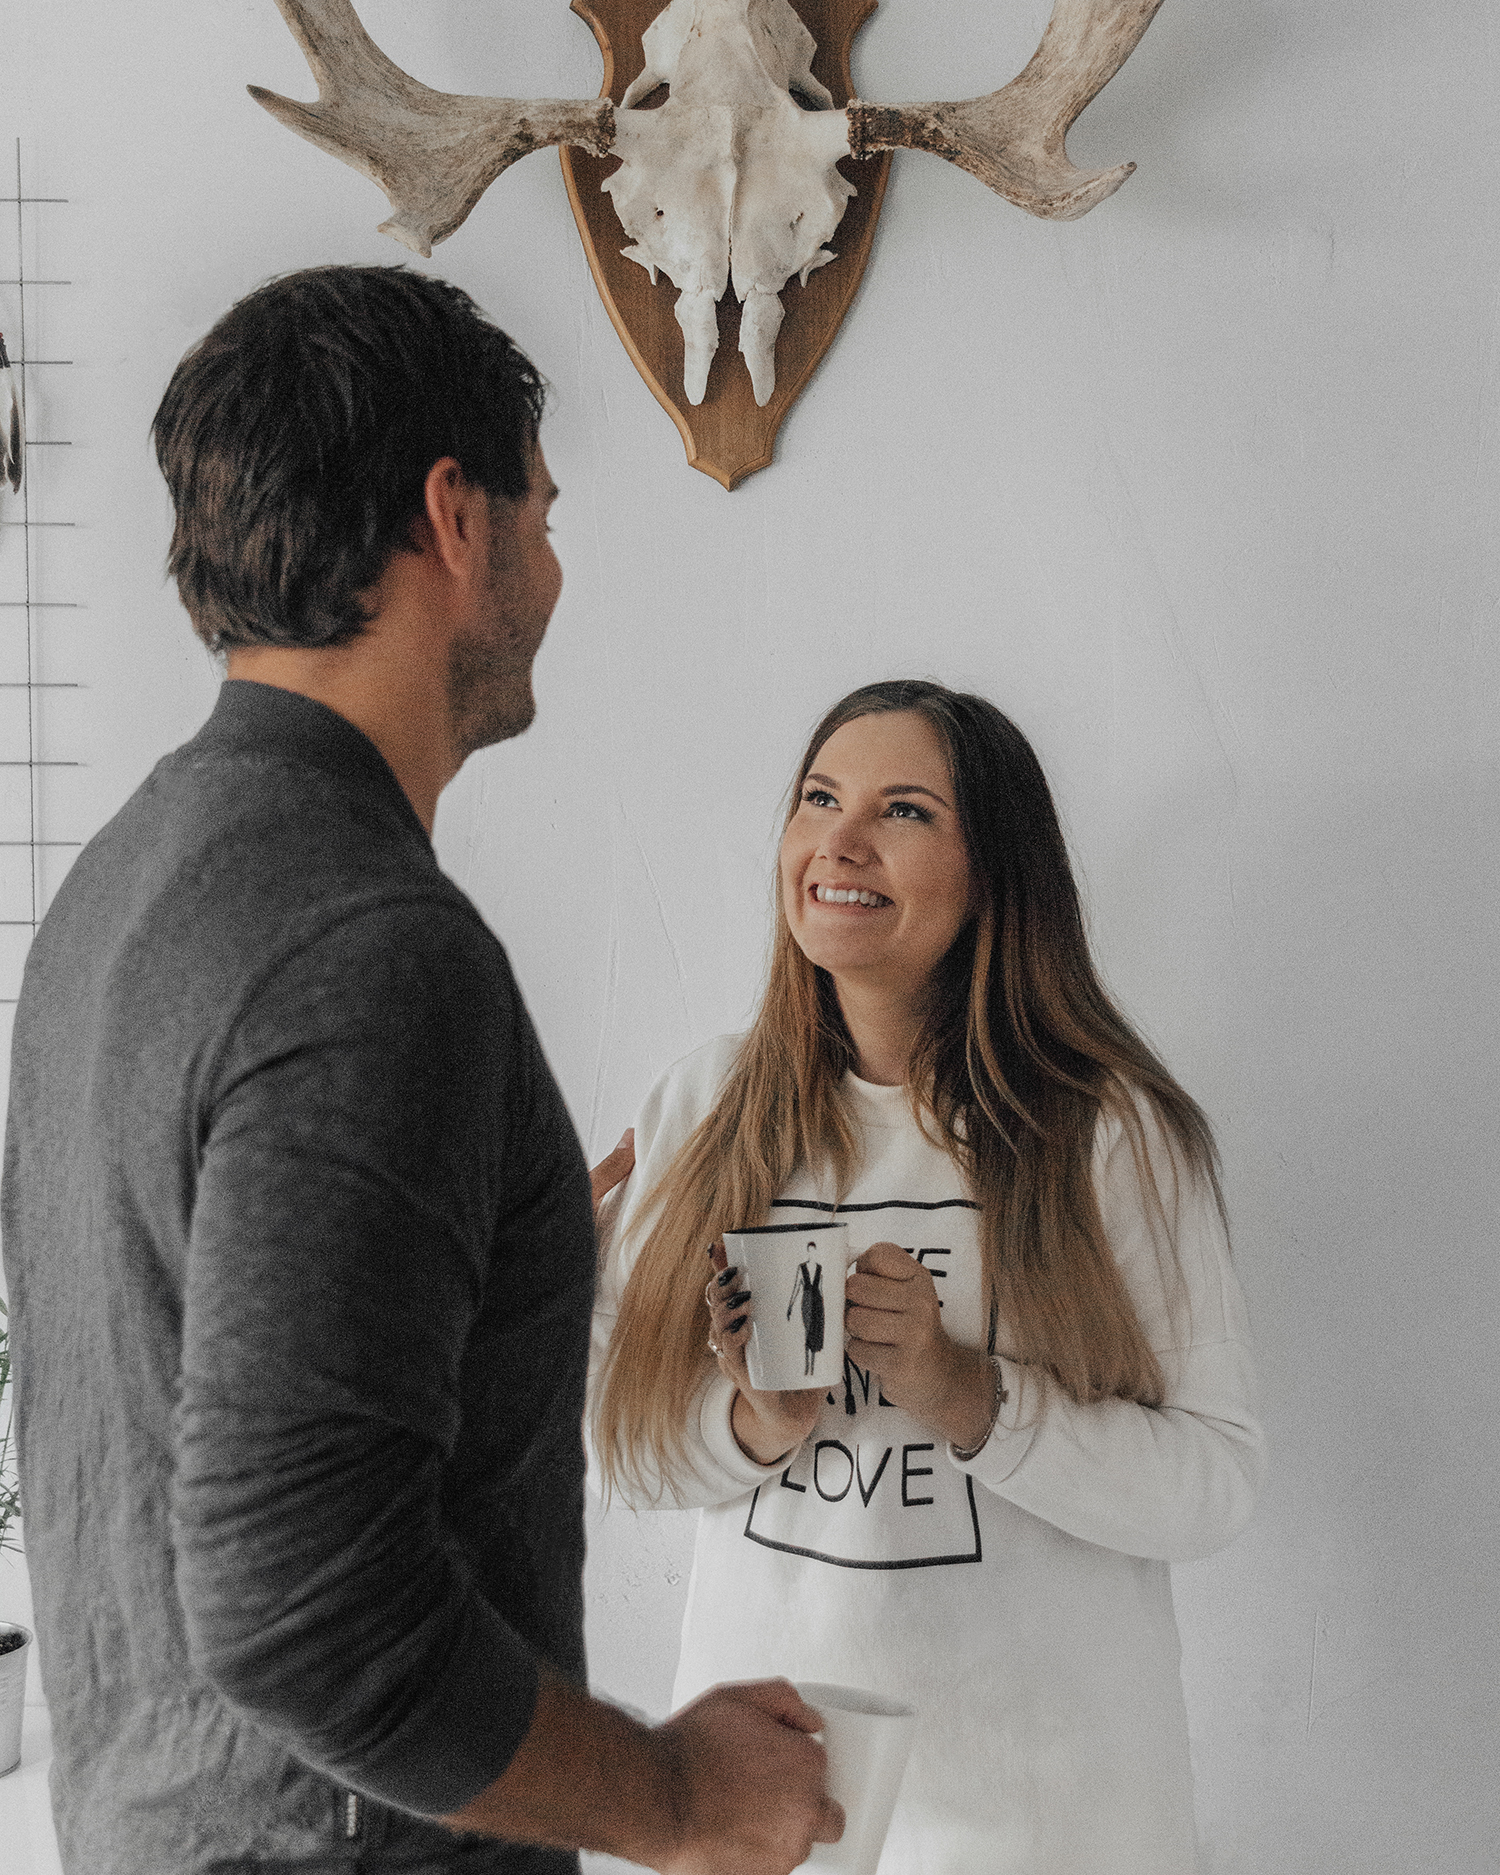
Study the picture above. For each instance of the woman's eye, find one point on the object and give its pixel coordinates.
(817, 797)
(908, 810)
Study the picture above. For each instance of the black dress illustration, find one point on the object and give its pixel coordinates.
(809, 1286)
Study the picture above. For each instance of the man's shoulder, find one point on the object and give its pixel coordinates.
(226, 865)
(383, 950)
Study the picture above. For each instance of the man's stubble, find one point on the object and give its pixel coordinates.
(490, 697)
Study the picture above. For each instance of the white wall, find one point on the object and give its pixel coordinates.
(1203, 490)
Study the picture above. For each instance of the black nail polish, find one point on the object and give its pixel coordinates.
(728, 1276)
(735, 1326)
(734, 1301)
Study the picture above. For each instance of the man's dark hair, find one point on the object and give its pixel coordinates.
(296, 437)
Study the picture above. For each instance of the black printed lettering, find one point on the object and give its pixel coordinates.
(833, 1445)
(909, 1471)
(859, 1475)
(861, 1378)
(786, 1482)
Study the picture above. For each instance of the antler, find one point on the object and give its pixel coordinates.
(434, 153)
(1014, 140)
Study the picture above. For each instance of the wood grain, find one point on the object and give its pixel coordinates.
(726, 436)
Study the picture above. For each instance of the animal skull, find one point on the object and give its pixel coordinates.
(731, 181)
(731, 178)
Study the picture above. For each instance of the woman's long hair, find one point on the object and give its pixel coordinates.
(1020, 1051)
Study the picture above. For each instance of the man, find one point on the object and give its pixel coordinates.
(297, 1231)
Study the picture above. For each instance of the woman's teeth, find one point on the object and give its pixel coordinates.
(831, 895)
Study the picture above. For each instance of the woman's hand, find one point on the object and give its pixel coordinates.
(767, 1426)
(613, 1170)
(895, 1329)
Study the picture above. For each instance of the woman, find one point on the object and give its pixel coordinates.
(1048, 1392)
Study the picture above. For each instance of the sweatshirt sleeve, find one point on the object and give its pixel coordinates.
(1176, 1481)
(351, 1170)
(717, 1469)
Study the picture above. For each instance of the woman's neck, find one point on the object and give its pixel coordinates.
(884, 1025)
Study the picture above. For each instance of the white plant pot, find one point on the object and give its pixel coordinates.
(12, 1697)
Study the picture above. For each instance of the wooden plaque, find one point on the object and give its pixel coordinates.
(727, 436)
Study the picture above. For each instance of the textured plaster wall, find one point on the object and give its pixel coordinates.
(1203, 490)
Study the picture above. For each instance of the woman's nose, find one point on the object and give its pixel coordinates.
(848, 842)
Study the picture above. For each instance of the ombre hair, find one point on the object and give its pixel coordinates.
(1021, 1051)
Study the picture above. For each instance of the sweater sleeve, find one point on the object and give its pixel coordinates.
(351, 1170)
(717, 1469)
(1175, 1481)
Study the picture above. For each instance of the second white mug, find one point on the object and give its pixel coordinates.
(868, 1740)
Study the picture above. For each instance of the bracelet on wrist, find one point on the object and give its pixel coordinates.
(1000, 1397)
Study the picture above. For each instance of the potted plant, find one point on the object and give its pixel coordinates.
(15, 1641)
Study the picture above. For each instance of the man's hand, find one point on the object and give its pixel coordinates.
(613, 1170)
(731, 1785)
(895, 1329)
(752, 1782)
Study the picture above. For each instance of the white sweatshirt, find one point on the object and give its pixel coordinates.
(1021, 1600)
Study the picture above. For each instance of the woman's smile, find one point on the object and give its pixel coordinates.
(858, 897)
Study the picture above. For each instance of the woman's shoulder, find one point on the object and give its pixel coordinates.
(708, 1064)
(1131, 1122)
(682, 1096)
(694, 1081)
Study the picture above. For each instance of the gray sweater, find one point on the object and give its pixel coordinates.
(300, 1261)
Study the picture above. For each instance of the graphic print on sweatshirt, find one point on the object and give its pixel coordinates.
(872, 1488)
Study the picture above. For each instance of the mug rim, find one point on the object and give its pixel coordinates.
(872, 1705)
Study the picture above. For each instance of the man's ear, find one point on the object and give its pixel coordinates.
(448, 525)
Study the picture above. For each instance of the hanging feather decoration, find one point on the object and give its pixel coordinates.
(13, 440)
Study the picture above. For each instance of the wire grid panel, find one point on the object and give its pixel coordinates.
(32, 856)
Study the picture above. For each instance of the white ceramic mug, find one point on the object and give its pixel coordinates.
(868, 1739)
(795, 1275)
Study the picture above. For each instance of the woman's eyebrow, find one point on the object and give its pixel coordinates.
(901, 787)
(914, 787)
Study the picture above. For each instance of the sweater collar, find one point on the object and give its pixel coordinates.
(876, 1105)
(267, 720)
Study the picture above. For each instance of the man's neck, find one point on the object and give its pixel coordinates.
(400, 703)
